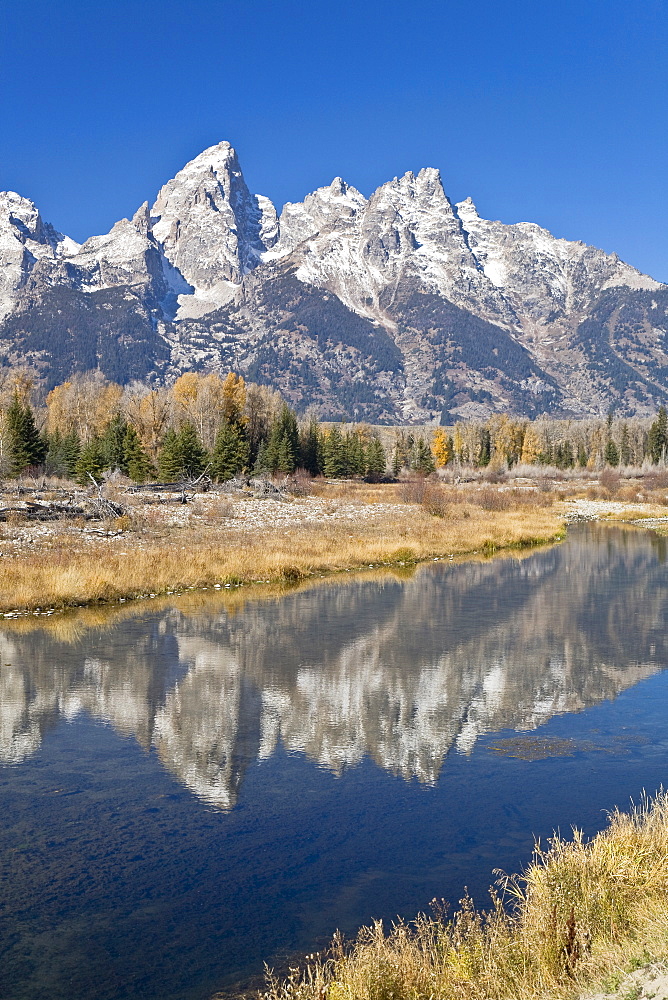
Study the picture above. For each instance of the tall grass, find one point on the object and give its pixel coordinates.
(151, 558)
(581, 911)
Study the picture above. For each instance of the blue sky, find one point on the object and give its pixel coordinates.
(554, 113)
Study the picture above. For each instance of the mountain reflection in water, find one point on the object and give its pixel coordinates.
(401, 671)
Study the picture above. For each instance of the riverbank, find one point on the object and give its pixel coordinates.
(222, 541)
(162, 546)
(583, 917)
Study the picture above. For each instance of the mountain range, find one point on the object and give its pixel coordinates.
(402, 307)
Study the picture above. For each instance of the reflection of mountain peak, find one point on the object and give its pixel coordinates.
(398, 672)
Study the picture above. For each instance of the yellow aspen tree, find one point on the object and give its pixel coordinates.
(86, 405)
(234, 398)
(59, 411)
(458, 443)
(440, 446)
(530, 446)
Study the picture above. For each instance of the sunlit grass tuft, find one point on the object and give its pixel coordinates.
(583, 912)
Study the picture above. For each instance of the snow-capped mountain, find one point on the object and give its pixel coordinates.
(401, 306)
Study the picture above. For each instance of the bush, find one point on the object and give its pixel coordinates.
(490, 499)
(609, 480)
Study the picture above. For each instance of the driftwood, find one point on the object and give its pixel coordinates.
(58, 505)
(43, 512)
(202, 484)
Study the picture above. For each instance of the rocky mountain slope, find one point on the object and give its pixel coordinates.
(399, 307)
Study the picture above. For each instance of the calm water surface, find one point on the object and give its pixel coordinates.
(192, 789)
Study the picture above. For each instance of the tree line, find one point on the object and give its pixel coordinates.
(224, 426)
(200, 424)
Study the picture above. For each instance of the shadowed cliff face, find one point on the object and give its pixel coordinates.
(400, 671)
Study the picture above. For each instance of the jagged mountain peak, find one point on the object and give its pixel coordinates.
(466, 209)
(209, 225)
(25, 240)
(336, 205)
(22, 219)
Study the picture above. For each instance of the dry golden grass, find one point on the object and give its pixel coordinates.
(581, 914)
(69, 570)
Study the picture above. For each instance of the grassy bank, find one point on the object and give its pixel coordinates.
(582, 914)
(215, 541)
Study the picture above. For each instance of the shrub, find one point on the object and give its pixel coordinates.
(490, 499)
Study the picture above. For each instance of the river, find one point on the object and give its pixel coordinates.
(192, 786)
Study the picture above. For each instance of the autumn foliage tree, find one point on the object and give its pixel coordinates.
(441, 446)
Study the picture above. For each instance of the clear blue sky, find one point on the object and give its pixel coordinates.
(555, 112)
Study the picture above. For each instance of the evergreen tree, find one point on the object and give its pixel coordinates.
(26, 447)
(261, 466)
(137, 463)
(230, 452)
(63, 454)
(355, 457)
(113, 445)
(55, 459)
(90, 463)
(376, 460)
(333, 455)
(283, 443)
(169, 459)
(485, 452)
(182, 455)
(568, 457)
(423, 459)
(611, 453)
(657, 441)
(191, 452)
(310, 448)
(563, 455)
(582, 455)
(396, 461)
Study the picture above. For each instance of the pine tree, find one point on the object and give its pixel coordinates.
(113, 444)
(310, 448)
(657, 441)
(230, 452)
(191, 452)
(90, 463)
(423, 459)
(396, 461)
(611, 453)
(26, 447)
(170, 467)
(55, 459)
(376, 460)
(182, 455)
(485, 452)
(283, 443)
(333, 455)
(261, 466)
(582, 455)
(355, 458)
(137, 463)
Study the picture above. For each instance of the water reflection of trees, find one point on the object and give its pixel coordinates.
(400, 671)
